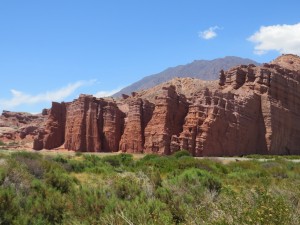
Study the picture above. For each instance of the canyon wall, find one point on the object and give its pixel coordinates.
(252, 110)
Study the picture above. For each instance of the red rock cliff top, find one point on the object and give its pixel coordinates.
(288, 61)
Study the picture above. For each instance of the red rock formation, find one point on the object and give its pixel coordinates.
(82, 131)
(255, 111)
(167, 120)
(53, 134)
(250, 110)
(86, 124)
(221, 124)
(140, 113)
(19, 127)
(113, 126)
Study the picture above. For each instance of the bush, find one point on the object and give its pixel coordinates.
(27, 155)
(91, 160)
(269, 209)
(155, 177)
(126, 188)
(164, 164)
(60, 159)
(9, 206)
(60, 181)
(77, 166)
(2, 143)
(181, 153)
(118, 160)
(200, 177)
(17, 178)
(150, 157)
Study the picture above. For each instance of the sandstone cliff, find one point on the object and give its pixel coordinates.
(249, 110)
(86, 124)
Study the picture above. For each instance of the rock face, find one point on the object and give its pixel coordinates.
(139, 114)
(53, 134)
(256, 110)
(86, 124)
(249, 110)
(167, 120)
(219, 124)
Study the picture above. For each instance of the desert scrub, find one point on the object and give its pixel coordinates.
(116, 189)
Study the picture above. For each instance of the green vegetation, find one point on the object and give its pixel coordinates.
(116, 189)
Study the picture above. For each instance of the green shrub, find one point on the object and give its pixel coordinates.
(60, 159)
(116, 189)
(164, 164)
(119, 160)
(60, 181)
(77, 166)
(126, 188)
(27, 155)
(150, 157)
(269, 209)
(139, 211)
(181, 153)
(174, 203)
(91, 160)
(16, 177)
(50, 210)
(2, 143)
(200, 177)
(112, 160)
(155, 178)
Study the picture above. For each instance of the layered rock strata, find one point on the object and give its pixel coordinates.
(86, 124)
(250, 110)
(139, 114)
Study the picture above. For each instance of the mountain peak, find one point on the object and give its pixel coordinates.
(201, 69)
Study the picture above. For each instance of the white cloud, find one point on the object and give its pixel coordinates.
(21, 98)
(282, 38)
(100, 94)
(209, 33)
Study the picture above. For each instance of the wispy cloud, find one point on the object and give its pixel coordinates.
(100, 94)
(209, 33)
(282, 38)
(20, 98)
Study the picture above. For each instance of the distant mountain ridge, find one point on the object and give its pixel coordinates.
(201, 69)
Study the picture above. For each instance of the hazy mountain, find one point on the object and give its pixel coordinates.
(202, 69)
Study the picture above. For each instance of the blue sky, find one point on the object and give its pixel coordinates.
(55, 50)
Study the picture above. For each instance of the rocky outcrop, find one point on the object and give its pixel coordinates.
(139, 114)
(20, 128)
(86, 124)
(249, 110)
(83, 124)
(167, 120)
(53, 134)
(255, 111)
(221, 124)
